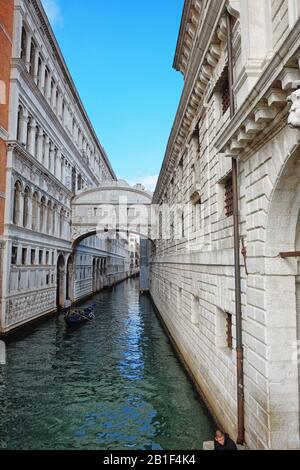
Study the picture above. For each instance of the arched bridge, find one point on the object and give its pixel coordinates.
(115, 206)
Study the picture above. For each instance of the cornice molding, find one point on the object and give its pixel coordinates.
(265, 109)
(195, 86)
(181, 35)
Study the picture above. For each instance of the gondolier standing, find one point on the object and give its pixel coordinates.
(67, 306)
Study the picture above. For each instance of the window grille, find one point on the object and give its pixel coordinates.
(228, 196)
(229, 330)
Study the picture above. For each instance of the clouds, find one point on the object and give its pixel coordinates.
(54, 12)
(148, 181)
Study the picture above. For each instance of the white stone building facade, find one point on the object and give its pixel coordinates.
(192, 272)
(134, 252)
(53, 154)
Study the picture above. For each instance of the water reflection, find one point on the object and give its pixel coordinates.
(114, 383)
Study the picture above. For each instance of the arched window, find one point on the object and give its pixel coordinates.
(27, 135)
(35, 212)
(36, 141)
(63, 112)
(17, 201)
(49, 217)
(23, 43)
(39, 72)
(26, 207)
(54, 219)
(19, 123)
(44, 149)
(61, 223)
(52, 97)
(32, 58)
(46, 82)
(42, 213)
(56, 100)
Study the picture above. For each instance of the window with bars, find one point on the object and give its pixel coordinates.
(223, 92)
(228, 196)
(229, 330)
(225, 97)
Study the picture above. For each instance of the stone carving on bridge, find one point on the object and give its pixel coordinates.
(294, 116)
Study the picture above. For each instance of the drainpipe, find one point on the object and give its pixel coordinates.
(237, 267)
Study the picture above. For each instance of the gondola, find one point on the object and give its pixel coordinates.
(78, 316)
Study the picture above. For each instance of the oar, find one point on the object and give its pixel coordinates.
(82, 316)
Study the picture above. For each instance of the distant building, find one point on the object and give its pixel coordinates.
(134, 252)
(240, 63)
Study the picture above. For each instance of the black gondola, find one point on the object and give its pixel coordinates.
(80, 316)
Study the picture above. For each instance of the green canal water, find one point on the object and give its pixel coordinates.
(114, 383)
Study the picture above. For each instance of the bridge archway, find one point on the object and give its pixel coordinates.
(114, 207)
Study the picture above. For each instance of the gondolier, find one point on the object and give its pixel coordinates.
(67, 307)
(78, 316)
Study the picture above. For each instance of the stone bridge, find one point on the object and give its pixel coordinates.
(113, 206)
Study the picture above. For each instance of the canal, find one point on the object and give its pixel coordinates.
(114, 383)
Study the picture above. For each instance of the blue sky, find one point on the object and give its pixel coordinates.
(120, 54)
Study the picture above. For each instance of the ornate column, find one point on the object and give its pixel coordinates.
(38, 214)
(58, 164)
(29, 221)
(18, 24)
(59, 105)
(53, 97)
(32, 136)
(21, 209)
(48, 87)
(42, 81)
(24, 127)
(40, 145)
(36, 65)
(51, 158)
(65, 226)
(45, 210)
(28, 49)
(56, 234)
(63, 170)
(47, 149)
